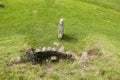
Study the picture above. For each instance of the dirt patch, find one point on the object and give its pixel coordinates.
(91, 55)
(95, 54)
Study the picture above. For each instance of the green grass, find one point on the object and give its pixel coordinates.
(110, 4)
(88, 24)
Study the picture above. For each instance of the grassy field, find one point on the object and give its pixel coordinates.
(33, 23)
(110, 4)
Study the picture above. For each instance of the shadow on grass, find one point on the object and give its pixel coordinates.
(69, 38)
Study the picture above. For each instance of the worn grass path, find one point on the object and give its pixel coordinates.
(88, 24)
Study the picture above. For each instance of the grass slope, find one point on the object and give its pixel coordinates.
(112, 4)
(25, 23)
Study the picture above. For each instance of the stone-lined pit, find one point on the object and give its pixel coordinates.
(49, 54)
(45, 55)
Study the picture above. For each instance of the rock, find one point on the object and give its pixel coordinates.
(84, 57)
(61, 49)
(37, 50)
(74, 56)
(54, 58)
(53, 49)
(29, 51)
(68, 52)
(44, 49)
(56, 44)
(30, 55)
(69, 55)
(49, 49)
(60, 28)
(18, 59)
(47, 60)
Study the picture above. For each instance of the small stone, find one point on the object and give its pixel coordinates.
(61, 49)
(68, 52)
(54, 58)
(74, 57)
(18, 59)
(53, 49)
(44, 49)
(49, 49)
(84, 57)
(47, 60)
(56, 44)
(37, 50)
(29, 51)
